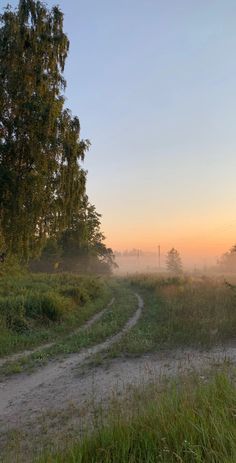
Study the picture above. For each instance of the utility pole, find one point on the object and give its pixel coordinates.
(159, 256)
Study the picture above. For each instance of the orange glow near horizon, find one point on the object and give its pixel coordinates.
(200, 226)
(196, 247)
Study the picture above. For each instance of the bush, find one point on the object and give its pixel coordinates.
(11, 267)
(78, 294)
(28, 300)
(49, 306)
(12, 312)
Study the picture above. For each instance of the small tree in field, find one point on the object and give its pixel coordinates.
(173, 262)
(227, 262)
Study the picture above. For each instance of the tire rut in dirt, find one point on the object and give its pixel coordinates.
(16, 391)
(87, 324)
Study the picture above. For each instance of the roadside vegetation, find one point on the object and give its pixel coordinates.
(180, 312)
(190, 421)
(189, 311)
(39, 308)
(111, 322)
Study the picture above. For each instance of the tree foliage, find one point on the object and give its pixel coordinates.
(227, 263)
(173, 262)
(42, 184)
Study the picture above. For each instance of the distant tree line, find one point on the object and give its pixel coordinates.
(45, 212)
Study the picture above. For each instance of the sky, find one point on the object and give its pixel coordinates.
(153, 83)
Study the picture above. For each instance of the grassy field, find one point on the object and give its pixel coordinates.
(191, 419)
(180, 312)
(40, 308)
(188, 421)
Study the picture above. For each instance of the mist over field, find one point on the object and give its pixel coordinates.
(137, 261)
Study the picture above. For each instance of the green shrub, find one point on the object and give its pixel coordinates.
(33, 305)
(49, 306)
(12, 312)
(11, 267)
(95, 287)
(78, 294)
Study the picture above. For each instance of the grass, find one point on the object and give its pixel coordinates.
(111, 322)
(35, 309)
(188, 421)
(180, 312)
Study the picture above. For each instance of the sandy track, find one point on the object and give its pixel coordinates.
(88, 324)
(67, 405)
(61, 400)
(24, 394)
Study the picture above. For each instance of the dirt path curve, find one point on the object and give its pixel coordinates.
(88, 324)
(25, 394)
(59, 400)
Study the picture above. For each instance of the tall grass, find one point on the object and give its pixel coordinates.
(35, 308)
(184, 311)
(180, 312)
(189, 422)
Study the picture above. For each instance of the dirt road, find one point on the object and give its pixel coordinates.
(86, 325)
(37, 391)
(59, 396)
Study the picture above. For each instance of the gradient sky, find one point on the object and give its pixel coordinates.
(153, 82)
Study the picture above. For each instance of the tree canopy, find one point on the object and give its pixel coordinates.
(227, 263)
(42, 183)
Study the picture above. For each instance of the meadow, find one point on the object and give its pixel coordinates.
(181, 312)
(188, 418)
